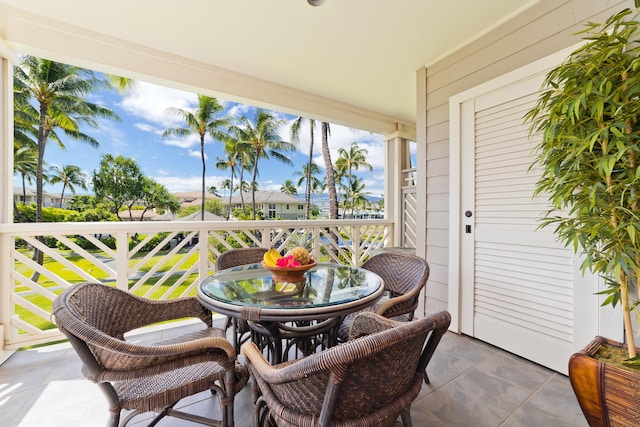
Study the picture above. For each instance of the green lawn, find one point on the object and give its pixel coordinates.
(58, 269)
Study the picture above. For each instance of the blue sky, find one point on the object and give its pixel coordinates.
(176, 163)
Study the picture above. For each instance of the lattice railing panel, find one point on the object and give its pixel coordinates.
(156, 260)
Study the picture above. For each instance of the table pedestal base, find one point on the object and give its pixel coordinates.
(282, 340)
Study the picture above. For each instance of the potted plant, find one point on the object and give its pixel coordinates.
(588, 115)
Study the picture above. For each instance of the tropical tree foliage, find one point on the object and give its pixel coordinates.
(25, 163)
(236, 160)
(118, 182)
(205, 120)
(70, 176)
(309, 175)
(349, 160)
(61, 94)
(588, 156)
(289, 188)
(295, 137)
(265, 142)
(154, 195)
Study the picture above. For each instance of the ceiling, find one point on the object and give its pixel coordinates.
(345, 57)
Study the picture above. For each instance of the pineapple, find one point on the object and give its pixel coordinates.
(301, 255)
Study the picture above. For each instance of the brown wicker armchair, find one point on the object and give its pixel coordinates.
(235, 258)
(404, 277)
(153, 377)
(368, 381)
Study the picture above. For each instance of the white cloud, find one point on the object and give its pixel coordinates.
(269, 186)
(196, 153)
(342, 137)
(188, 183)
(146, 127)
(239, 110)
(150, 102)
(186, 142)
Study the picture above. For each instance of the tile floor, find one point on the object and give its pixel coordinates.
(472, 384)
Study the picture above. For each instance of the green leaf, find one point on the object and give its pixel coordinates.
(634, 361)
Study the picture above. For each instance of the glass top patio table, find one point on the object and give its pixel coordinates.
(328, 291)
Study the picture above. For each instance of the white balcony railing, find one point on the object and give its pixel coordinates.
(160, 260)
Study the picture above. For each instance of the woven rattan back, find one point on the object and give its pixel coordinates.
(402, 275)
(154, 376)
(100, 315)
(241, 256)
(365, 381)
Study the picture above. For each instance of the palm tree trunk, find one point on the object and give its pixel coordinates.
(230, 195)
(241, 189)
(253, 187)
(62, 194)
(24, 190)
(204, 169)
(42, 139)
(331, 183)
(38, 256)
(307, 213)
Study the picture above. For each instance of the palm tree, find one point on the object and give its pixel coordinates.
(295, 137)
(354, 158)
(25, 118)
(331, 183)
(244, 186)
(310, 172)
(203, 122)
(225, 185)
(289, 188)
(70, 176)
(265, 143)
(355, 195)
(236, 158)
(61, 93)
(25, 162)
(348, 160)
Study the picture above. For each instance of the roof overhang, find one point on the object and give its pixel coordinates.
(346, 62)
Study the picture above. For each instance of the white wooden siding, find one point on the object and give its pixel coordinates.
(547, 27)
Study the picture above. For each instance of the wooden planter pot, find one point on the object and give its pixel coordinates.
(608, 395)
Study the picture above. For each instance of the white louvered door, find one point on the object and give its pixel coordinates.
(517, 282)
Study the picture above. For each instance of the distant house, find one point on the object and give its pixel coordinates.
(273, 204)
(136, 215)
(48, 199)
(192, 198)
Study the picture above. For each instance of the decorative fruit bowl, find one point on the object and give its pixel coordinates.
(289, 274)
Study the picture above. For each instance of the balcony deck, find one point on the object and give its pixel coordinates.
(472, 384)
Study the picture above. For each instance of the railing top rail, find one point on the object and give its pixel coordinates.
(17, 229)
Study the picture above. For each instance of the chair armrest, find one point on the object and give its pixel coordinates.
(121, 359)
(387, 304)
(367, 322)
(274, 374)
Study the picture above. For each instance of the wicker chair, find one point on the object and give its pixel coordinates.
(404, 277)
(368, 381)
(234, 258)
(241, 256)
(152, 377)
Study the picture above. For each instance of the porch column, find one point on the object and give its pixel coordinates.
(6, 187)
(397, 159)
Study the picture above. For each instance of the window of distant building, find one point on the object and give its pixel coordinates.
(272, 210)
(300, 207)
(287, 207)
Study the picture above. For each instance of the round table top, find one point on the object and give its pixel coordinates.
(329, 290)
